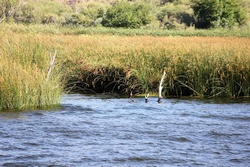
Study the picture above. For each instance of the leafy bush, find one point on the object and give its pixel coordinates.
(218, 13)
(127, 14)
(163, 2)
(25, 14)
(86, 15)
(50, 18)
(8, 8)
(166, 14)
(173, 16)
(93, 11)
(77, 20)
(42, 11)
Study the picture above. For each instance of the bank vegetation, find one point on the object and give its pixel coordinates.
(89, 63)
(122, 46)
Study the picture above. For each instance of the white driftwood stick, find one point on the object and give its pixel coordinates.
(146, 97)
(161, 87)
(52, 62)
(130, 96)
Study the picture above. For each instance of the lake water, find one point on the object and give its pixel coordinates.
(106, 131)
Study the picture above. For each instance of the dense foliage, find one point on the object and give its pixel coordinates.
(126, 14)
(175, 16)
(218, 13)
(8, 9)
(194, 66)
(89, 15)
(163, 14)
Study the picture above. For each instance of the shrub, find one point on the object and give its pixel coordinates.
(25, 14)
(127, 14)
(50, 19)
(93, 11)
(218, 13)
(78, 20)
(173, 16)
(8, 9)
(88, 15)
(42, 11)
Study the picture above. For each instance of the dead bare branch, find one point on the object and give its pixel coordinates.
(161, 87)
(52, 62)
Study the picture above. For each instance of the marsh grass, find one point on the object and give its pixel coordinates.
(23, 72)
(195, 66)
(71, 30)
(23, 88)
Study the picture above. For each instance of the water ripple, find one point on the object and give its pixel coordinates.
(106, 131)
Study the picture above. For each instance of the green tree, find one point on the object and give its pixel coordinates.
(88, 15)
(127, 14)
(93, 13)
(173, 16)
(218, 13)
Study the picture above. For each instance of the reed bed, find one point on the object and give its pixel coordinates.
(195, 66)
(23, 75)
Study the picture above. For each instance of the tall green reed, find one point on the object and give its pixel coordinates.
(23, 71)
(204, 67)
(195, 66)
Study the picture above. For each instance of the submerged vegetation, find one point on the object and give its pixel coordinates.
(194, 66)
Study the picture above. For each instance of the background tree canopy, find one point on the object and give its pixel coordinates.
(218, 13)
(163, 14)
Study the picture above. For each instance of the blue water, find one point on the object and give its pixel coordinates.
(106, 131)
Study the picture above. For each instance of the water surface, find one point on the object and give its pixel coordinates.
(104, 131)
